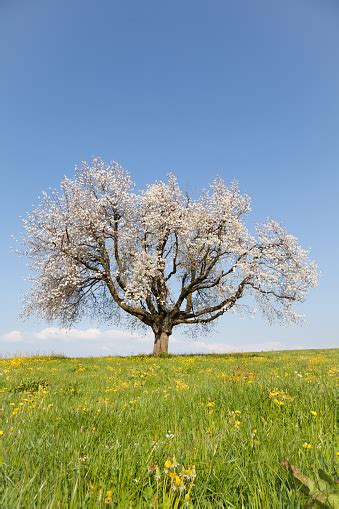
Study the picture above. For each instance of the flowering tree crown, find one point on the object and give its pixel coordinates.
(160, 256)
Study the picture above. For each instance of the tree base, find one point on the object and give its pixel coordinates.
(160, 344)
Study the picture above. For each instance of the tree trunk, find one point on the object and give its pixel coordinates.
(161, 343)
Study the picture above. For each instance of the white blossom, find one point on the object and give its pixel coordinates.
(160, 256)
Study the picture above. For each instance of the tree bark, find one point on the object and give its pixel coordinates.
(161, 343)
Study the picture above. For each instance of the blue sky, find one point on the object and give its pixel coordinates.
(241, 89)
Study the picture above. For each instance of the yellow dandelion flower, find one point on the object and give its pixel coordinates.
(180, 385)
(306, 445)
(1, 433)
(108, 498)
(178, 480)
(280, 397)
(168, 463)
(314, 413)
(211, 404)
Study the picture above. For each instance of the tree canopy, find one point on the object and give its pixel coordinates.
(158, 255)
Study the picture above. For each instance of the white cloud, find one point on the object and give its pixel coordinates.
(71, 335)
(96, 341)
(14, 336)
(63, 334)
(75, 341)
(192, 346)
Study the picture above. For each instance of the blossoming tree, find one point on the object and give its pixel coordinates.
(159, 256)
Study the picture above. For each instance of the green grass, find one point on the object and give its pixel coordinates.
(96, 432)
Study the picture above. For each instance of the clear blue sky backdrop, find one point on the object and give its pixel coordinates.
(242, 89)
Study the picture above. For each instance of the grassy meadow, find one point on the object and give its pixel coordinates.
(179, 431)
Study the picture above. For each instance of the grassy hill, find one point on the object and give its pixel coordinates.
(181, 431)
